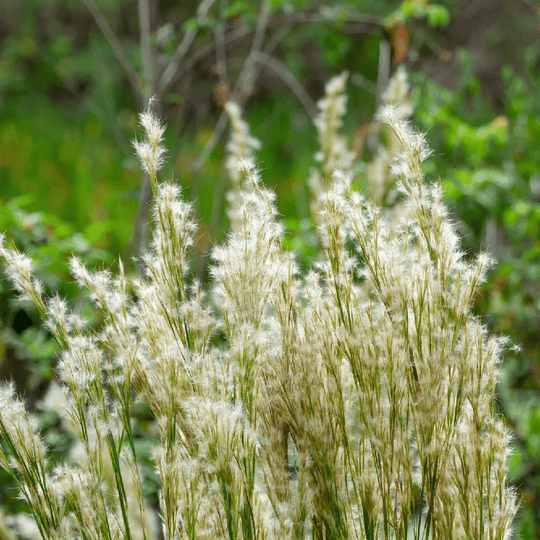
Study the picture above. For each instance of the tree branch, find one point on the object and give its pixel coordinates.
(139, 238)
(364, 24)
(110, 36)
(241, 87)
(147, 89)
(281, 70)
(174, 63)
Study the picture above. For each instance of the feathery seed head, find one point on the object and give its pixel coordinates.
(334, 152)
(241, 144)
(151, 152)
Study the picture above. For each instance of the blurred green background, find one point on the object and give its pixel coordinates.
(75, 73)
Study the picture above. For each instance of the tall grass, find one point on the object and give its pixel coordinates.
(356, 401)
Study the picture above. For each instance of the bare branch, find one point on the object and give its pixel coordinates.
(383, 75)
(365, 24)
(205, 51)
(110, 36)
(148, 60)
(243, 87)
(281, 70)
(221, 57)
(245, 81)
(174, 63)
(139, 238)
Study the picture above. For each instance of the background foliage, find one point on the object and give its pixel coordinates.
(69, 180)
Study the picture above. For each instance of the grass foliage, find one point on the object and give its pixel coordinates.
(353, 401)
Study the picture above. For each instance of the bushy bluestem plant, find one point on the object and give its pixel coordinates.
(353, 402)
(240, 146)
(378, 171)
(334, 152)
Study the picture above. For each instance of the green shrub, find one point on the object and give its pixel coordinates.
(488, 164)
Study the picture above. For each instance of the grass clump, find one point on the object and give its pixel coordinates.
(356, 401)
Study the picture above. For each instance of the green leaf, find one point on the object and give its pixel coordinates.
(39, 345)
(534, 422)
(190, 24)
(437, 15)
(411, 8)
(236, 8)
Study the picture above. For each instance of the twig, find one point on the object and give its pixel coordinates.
(174, 63)
(206, 50)
(89, 104)
(530, 3)
(139, 239)
(113, 42)
(241, 84)
(303, 17)
(264, 57)
(471, 9)
(311, 109)
(247, 75)
(383, 74)
(221, 57)
(365, 25)
(283, 31)
(280, 69)
(363, 82)
(244, 84)
(146, 51)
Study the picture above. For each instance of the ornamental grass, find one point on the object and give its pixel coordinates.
(355, 401)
